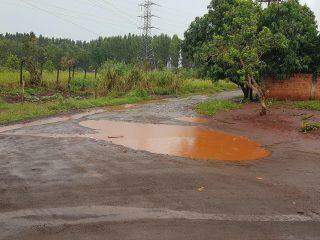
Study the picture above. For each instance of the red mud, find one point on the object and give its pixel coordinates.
(283, 122)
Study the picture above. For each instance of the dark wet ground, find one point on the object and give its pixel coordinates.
(57, 187)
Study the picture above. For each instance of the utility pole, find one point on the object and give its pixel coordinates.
(146, 7)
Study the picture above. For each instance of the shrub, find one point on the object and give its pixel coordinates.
(109, 78)
(80, 84)
(309, 127)
(134, 79)
(164, 82)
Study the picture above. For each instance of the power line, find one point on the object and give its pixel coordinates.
(57, 16)
(88, 16)
(98, 4)
(120, 11)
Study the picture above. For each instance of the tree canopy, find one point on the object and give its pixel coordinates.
(297, 23)
(88, 55)
(240, 41)
(293, 23)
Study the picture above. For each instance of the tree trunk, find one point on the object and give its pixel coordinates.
(85, 73)
(34, 71)
(95, 73)
(69, 81)
(21, 72)
(41, 73)
(41, 70)
(73, 72)
(22, 91)
(251, 95)
(247, 93)
(58, 74)
(254, 86)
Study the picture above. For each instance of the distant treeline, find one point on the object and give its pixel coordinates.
(57, 53)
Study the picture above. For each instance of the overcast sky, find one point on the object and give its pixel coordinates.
(88, 19)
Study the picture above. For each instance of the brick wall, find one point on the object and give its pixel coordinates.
(317, 89)
(297, 87)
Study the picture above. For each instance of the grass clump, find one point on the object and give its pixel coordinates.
(164, 82)
(307, 105)
(308, 127)
(212, 107)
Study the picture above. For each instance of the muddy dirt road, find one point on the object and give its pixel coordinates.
(57, 181)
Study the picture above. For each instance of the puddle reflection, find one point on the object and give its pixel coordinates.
(194, 119)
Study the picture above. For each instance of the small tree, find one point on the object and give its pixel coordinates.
(84, 61)
(68, 63)
(12, 62)
(32, 53)
(55, 54)
(49, 66)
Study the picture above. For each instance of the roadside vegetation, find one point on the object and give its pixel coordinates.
(308, 127)
(307, 105)
(29, 110)
(115, 84)
(212, 107)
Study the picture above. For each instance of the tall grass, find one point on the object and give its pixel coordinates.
(114, 79)
(11, 79)
(164, 82)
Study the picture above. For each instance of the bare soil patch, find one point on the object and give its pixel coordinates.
(281, 120)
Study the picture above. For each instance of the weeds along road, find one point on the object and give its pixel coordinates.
(56, 184)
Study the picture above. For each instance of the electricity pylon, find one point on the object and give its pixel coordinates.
(146, 7)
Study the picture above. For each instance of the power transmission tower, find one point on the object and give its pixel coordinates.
(146, 7)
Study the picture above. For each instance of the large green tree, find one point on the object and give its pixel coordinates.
(199, 32)
(161, 48)
(282, 39)
(297, 23)
(175, 51)
(236, 48)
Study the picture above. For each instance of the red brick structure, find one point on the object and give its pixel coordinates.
(297, 87)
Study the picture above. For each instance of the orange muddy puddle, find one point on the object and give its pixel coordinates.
(193, 119)
(184, 141)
